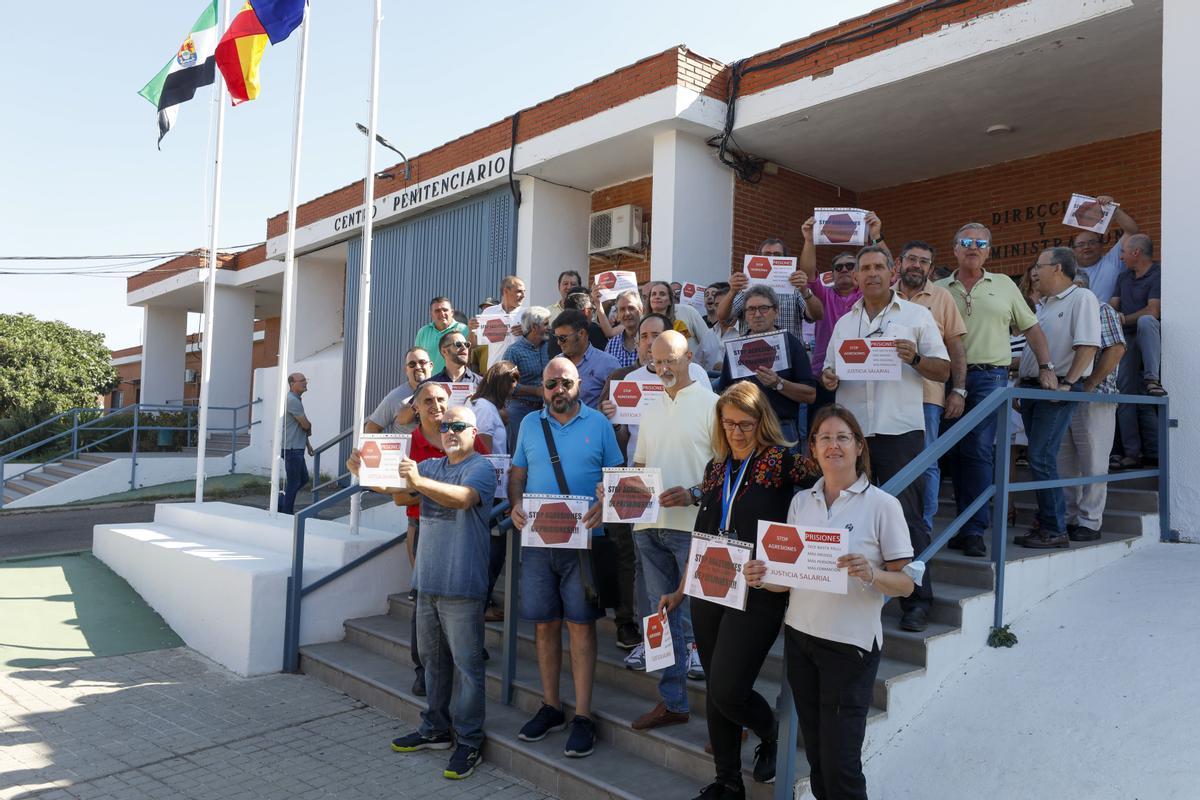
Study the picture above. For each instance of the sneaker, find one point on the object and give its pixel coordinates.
(547, 720)
(628, 636)
(719, 791)
(581, 741)
(415, 741)
(695, 670)
(764, 761)
(462, 763)
(636, 659)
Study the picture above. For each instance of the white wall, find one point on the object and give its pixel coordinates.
(113, 477)
(163, 343)
(233, 353)
(692, 228)
(1180, 290)
(552, 236)
(320, 283)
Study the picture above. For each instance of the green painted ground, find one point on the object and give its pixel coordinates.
(67, 607)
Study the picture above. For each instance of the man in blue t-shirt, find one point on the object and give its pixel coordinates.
(455, 495)
(552, 579)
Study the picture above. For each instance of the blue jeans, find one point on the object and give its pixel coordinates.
(296, 469)
(933, 475)
(974, 457)
(450, 633)
(1046, 423)
(791, 433)
(664, 561)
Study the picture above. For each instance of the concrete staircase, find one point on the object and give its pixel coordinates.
(372, 663)
(221, 444)
(50, 474)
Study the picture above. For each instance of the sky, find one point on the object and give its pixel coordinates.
(80, 174)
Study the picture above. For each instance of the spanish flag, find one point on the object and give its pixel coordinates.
(241, 49)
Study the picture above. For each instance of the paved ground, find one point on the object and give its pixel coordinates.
(170, 724)
(27, 533)
(1097, 700)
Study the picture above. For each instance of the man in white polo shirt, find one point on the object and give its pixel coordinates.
(1070, 318)
(892, 413)
(676, 438)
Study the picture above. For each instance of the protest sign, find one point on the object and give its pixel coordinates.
(867, 360)
(660, 648)
(747, 353)
(714, 570)
(632, 398)
(1084, 212)
(631, 495)
(614, 282)
(803, 557)
(555, 520)
(772, 271)
(840, 226)
(381, 454)
(693, 295)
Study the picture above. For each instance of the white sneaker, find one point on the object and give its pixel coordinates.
(636, 659)
(695, 669)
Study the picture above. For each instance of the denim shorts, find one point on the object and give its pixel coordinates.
(551, 588)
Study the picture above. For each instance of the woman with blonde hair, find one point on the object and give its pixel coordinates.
(752, 477)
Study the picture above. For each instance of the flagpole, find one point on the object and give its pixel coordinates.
(364, 279)
(210, 289)
(289, 268)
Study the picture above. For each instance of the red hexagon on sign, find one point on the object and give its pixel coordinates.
(494, 330)
(370, 454)
(1089, 214)
(627, 394)
(606, 280)
(759, 267)
(654, 631)
(631, 497)
(555, 523)
(756, 353)
(689, 289)
(839, 228)
(783, 544)
(716, 572)
(854, 351)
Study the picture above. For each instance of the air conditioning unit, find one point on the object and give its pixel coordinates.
(617, 228)
(191, 376)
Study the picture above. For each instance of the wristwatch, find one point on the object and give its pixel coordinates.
(807, 296)
(779, 386)
(1048, 365)
(696, 495)
(960, 392)
(916, 360)
(876, 239)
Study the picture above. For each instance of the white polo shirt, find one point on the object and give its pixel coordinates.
(888, 407)
(1069, 319)
(676, 438)
(877, 532)
(695, 372)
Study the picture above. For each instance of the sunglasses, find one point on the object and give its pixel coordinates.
(455, 427)
(845, 266)
(422, 363)
(980, 244)
(460, 345)
(553, 383)
(560, 338)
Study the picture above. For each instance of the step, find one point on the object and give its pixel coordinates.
(41, 479)
(947, 600)
(94, 458)
(21, 486)
(78, 464)
(1115, 520)
(609, 773)
(63, 471)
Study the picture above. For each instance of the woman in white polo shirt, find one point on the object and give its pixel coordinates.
(832, 641)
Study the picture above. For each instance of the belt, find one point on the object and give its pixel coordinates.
(981, 367)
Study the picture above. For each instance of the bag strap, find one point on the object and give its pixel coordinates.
(585, 566)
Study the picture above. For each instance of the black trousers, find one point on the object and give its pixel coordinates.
(414, 533)
(733, 646)
(622, 540)
(832, 684)
(889, 455)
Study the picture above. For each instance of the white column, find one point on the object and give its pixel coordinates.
(552, 236)
(233, 350)
(1180, 290)
(691, 233)
(163, 348)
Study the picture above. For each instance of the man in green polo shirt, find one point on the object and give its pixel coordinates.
(990, 305)
(441, 312)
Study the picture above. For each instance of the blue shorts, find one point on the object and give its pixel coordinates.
(551, 588)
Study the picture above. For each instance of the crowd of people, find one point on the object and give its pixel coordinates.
(800, 445)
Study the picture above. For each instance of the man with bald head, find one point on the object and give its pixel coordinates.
(561, 450)
(296, 433)
(676, 438)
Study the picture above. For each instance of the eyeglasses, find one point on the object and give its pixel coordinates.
(763, 309)
(842, 439)
(924, 262)
(966, 301)
(423, 362)
(744, 427)
(561, 338)
(660, 362)
(845, 266)
(459, 345)
(553, 383)
(455, 427)
(966, 244)
(1086, 243)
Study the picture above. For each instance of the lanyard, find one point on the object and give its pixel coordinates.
(729, 492)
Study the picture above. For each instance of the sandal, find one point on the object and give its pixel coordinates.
(1129, 463)
(1155, 389)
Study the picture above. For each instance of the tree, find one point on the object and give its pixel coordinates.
(48, 367)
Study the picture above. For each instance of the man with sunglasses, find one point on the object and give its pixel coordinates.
(990, 304)
(454, 496)
(395, 414)
(1103, 268)
(793, 308)
(594, 365)
(456, 349)
(429, 336)
(555, 581)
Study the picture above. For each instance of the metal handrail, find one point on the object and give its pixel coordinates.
(45, 422)
(341, 476)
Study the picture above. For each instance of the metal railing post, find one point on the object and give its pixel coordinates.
(512, 582)
(133, 451)
(316, 479)
(74, 432)
(785, 753)
(291, 636)
(1000, 508)
(1164, 472)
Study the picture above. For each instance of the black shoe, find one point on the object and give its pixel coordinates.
(415, 741)
(973, 546)
(915, 619)
(547, 720)
(418, 687)
(462, 763)
(1046, 541)
(956, 542)
(581, 741)
(486, 656)
(628, 636)
(412, 595)
(764, 761)
(1080, 534)
(720, 791)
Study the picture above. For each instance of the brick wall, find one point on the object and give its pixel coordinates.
(636, 192)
